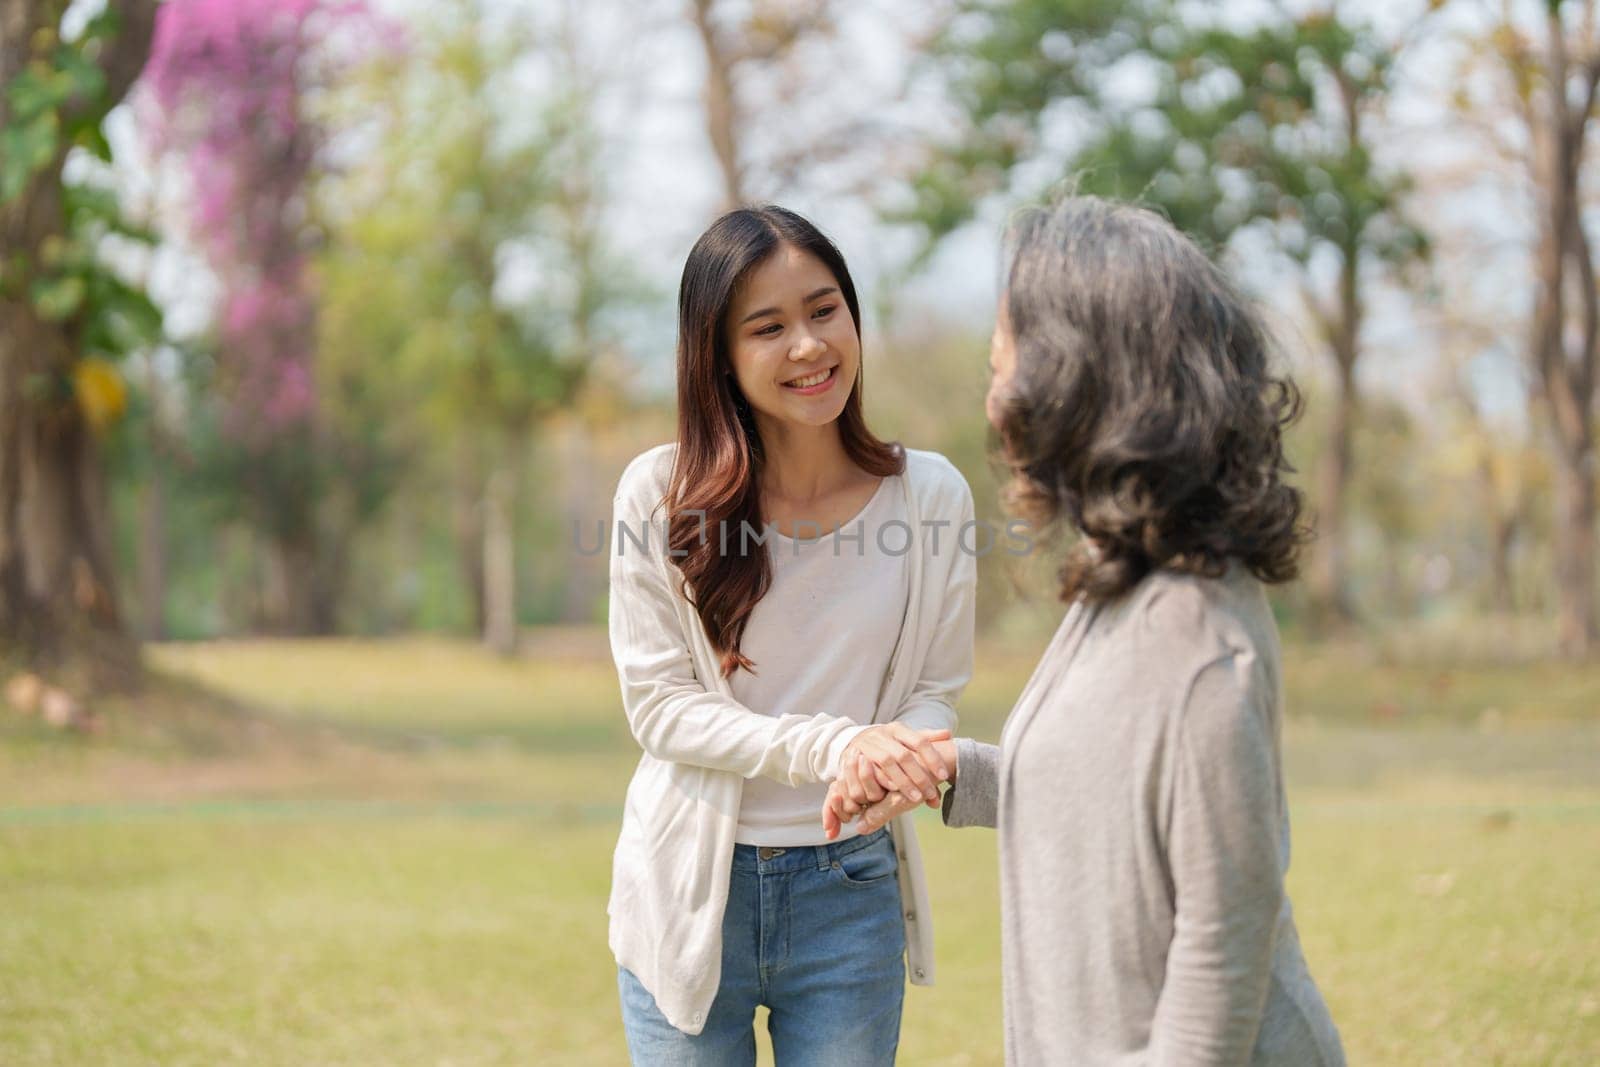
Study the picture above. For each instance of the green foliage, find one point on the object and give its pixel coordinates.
(57, 101)
(466, 291)
(1008, 67)
(56, 104)
(460, 186)
(71, 277)
(1233, 128)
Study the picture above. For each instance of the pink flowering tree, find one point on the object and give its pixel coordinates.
(231, 89)
(227, 78)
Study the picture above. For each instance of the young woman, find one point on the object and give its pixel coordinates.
(1137, 785)
(781, 603)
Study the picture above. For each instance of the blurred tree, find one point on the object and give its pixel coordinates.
(64, 318)
(1263, 132)
(930, 390)
(1547, 69)
(743, 39)
(142, 461)
(1507, 475)
(1386, 502)
(1486, 457)
(230, 82)
(470, 265)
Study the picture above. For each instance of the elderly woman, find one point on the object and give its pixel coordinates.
(1137, 786)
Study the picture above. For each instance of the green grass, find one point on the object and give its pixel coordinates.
(420, 688)
(404, 857)
(1349, 684)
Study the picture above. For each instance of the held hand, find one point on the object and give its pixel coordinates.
(902, 759)
(840, 808)
(890, 807)
(837, 809)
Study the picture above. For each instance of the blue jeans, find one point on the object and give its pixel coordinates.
(815, 934)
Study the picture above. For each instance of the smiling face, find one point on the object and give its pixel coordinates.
(792, 340)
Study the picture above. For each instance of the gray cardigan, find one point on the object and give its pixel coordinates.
(1144, 839)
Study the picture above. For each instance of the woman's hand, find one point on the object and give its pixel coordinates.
(890, 807)
(901, 759)
(838, 809)
(880, 805)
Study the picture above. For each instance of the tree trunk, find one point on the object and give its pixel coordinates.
(1575, 536)
(152, 552)
(1565, 343)
(467, 520)
(1342, 330)
(722, 110)
(499, 553)
(290, 596)
(1329, 581)
(58, 603)
(331, 570)
(586, 576)
(301, 573)
(242, 580)
(1329, 561)
(1502, 586)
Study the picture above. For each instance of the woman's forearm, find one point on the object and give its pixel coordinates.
(974, 796)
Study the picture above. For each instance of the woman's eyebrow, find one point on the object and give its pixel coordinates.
(824, 291)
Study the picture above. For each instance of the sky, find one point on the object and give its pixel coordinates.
(1481, 230)
(664, 189)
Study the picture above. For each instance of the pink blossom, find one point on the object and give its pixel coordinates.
(226, 84)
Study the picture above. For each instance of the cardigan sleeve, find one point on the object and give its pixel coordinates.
(931, 704)
(974, 798)
(672, 715)
(1222, 852)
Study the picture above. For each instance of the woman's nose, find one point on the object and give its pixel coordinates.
(807, 347)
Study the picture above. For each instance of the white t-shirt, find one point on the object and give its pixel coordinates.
(670, 870)
(821, 640)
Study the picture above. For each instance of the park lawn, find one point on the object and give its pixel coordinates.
(428, 886)
(422, 687)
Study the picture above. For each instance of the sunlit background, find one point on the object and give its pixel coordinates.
(327, 327)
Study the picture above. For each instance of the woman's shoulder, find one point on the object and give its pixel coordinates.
(928, 464)
(1180, 622)
(648, 473)
(934, 478)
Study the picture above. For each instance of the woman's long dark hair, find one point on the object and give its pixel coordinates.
(719, 456)
(1142, 410)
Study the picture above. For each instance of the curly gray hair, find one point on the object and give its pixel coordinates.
(1142, 409)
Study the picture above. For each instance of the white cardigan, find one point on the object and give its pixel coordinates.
(671, 868)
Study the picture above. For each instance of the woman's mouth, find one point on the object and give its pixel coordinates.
(813, 384)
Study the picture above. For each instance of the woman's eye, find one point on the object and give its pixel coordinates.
(823, 312)
(768, 330)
